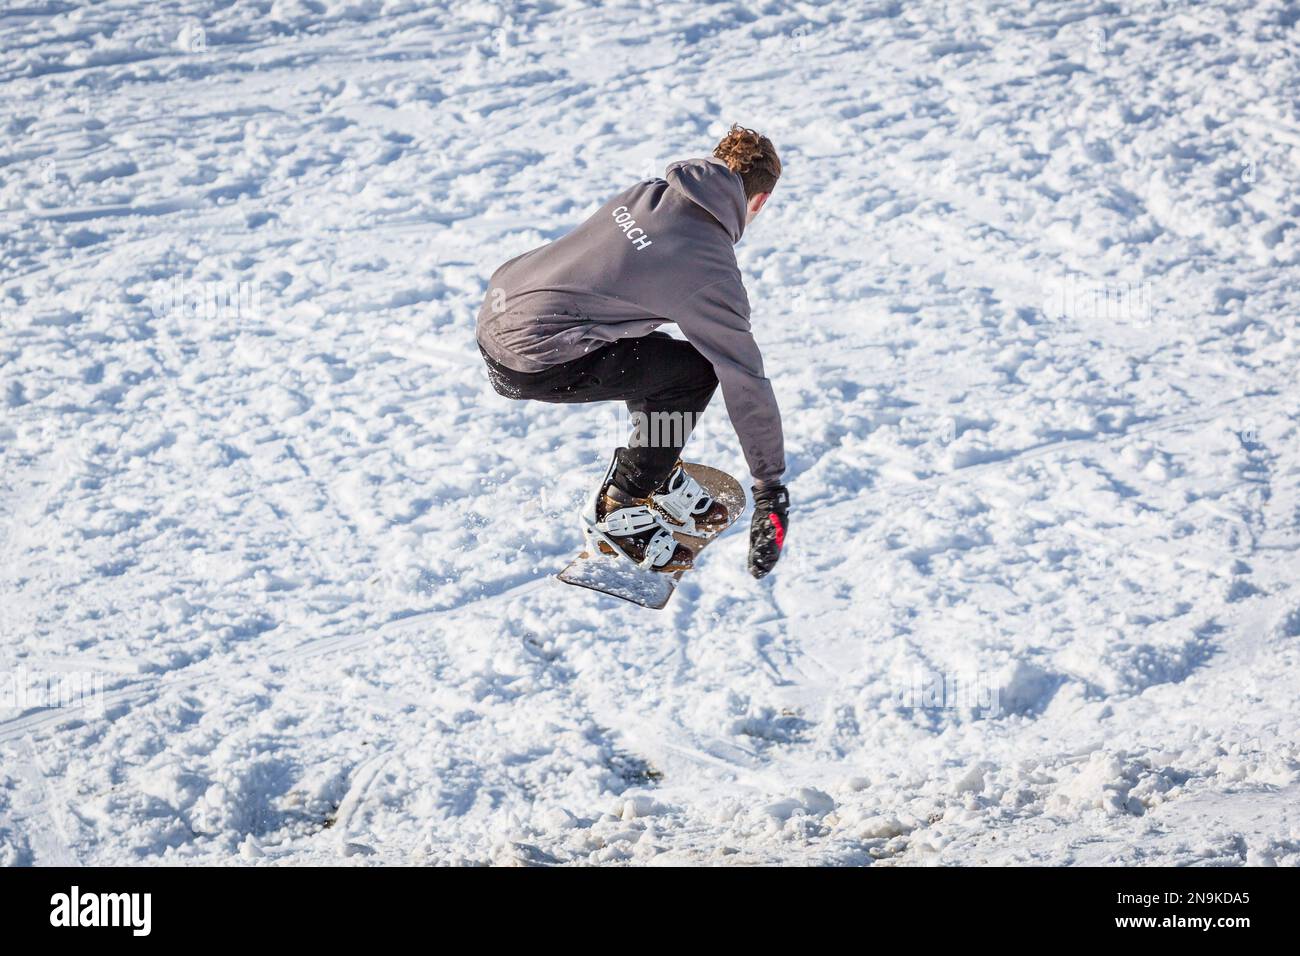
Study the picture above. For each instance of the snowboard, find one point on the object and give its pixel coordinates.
(615, 575)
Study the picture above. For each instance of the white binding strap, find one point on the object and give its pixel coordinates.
(659, 550)
(627, 521)
(636, 520)
(684, 498)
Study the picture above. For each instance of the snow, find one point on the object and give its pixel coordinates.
(1028, 295)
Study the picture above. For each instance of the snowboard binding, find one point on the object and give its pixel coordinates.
(687, 507)
(635, 530)
(613, 565)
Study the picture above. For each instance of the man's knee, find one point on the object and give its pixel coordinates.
(700, 370)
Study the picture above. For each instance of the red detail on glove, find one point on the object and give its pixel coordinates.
(780, 530)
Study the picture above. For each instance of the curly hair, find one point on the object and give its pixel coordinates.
(752, 157)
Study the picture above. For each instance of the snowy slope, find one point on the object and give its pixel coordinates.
(1028, 293)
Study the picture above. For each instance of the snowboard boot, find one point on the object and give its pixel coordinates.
(687, 507)
(617, 523)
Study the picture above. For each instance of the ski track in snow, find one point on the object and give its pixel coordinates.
(300, 541)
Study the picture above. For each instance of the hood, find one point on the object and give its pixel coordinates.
(711, 185)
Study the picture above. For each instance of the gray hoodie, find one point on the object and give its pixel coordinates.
(661, 251)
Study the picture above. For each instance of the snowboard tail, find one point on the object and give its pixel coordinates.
(615, 575)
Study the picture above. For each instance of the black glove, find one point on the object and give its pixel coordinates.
(767, 528)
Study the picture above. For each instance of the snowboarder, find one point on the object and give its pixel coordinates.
(575, 320)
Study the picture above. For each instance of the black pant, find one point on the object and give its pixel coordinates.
(665, 382)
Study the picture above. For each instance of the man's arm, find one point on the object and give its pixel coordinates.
(715, 320)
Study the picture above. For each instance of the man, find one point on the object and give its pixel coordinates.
(574, 321)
